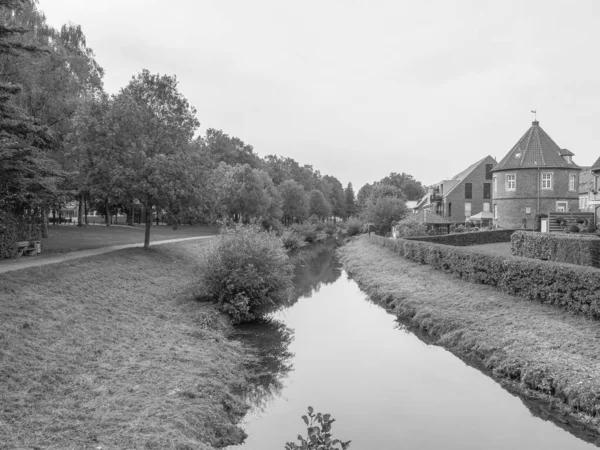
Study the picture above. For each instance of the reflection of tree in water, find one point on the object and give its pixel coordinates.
(315, 266)
(270, 340)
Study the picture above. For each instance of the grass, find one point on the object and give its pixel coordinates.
(499, 248)
(113, 352)
(68, 238)
(539, 351)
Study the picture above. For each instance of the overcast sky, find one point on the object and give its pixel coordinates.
(360, 89)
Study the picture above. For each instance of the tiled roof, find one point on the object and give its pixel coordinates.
(586, 180)
(596, 165)
(535, 149)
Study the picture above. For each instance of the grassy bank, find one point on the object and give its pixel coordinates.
(537, 350)
(112, 352)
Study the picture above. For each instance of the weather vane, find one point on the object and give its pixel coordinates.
(534, 111)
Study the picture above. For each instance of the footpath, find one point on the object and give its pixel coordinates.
(25, 262)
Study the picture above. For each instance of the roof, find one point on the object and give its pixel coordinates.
(482, 215)
(586, 180)
(596, 165)
(535, 149)
(412, 204)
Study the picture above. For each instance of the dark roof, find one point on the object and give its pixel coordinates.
(586, 180)
(596, 166)
(535, 149)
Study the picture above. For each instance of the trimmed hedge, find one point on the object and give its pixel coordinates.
(466, 239)
(14, 229)
(583, 250)
(574, 288)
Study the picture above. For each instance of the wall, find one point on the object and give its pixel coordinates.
(512, 205)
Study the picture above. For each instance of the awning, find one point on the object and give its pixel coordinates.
(483, 215)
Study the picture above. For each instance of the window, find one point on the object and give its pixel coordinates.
(562, 207)
(486, 207)
(450, 209)
(487, 190)
(546, 180)
(527, 210)
(468, 190)
(488, 171)
(495, 184)
(511, 182)
(495, 212)
(571, 182)
(468, 209)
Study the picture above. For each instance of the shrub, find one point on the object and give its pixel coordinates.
(568, 286)
(573, 228)
(292, 240)
(460, 229)
(318, 435)
(14, 229)
(353, 226)
(466, 239)
(247, 272)
(410, 228)
(306, 230)
(578, 249)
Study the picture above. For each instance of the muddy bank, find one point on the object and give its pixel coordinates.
(546, 356)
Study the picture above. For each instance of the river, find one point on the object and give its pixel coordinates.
(338, 352)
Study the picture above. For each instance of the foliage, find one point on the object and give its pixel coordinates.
(247, 272)
(574, 288)
(537, 221)
(353, 226)
(219, 147)
(319, 435)
(294, 201)
(573, 228)
(308, 231)
(410, 228)
(466, 239)
(351, 208)
(383, 211)
(13, 229)
(318, 204)
(293, 240)
(410, 188)
(579, 249)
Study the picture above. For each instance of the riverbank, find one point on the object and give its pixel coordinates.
(540, 352)
(113, 352)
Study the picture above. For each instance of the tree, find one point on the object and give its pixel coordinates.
(351, 208)
(153, 130)
(336, 196)
(382, 212)
(230, 150)
(411, 188)
(318, 204)
(295, 201)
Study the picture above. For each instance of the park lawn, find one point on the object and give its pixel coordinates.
(113, 352)
(537, 350)
(68, 238)
(499, 248)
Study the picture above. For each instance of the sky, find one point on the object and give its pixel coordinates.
(359, 89)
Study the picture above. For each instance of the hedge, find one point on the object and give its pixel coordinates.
(466, 239)
(583, 250)
(14, 229)
(574, 288)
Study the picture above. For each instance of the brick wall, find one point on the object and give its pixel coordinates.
(512, 205)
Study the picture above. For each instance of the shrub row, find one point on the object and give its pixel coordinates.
(14, 229)
(466, 239)
(574, 288)
(583, 250)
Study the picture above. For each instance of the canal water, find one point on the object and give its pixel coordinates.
(336, 351)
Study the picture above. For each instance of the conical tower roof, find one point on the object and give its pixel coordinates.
(536, 149)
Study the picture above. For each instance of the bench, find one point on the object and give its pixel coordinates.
(26, 248)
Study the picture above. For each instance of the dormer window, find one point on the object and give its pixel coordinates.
(518, 155)
(568, 159)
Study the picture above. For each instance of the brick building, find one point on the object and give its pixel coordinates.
(535, 177)
(464, 195)
(594, 195)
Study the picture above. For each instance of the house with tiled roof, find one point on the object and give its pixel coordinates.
(464, 195)
(536, 176)
(594, 197)
(586, 186)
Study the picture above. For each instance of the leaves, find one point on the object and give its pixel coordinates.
(318, 436)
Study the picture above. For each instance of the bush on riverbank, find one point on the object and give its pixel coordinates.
(565, 285)
(353, 226)
(583, 250)
(247, 272)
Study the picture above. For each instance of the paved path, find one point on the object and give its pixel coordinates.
(41, 260)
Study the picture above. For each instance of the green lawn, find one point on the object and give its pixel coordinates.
(500, 248)
(113, 352)
(68, 238)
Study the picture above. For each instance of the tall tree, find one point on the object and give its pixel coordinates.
(351, 208)
(295, 201)
(318, 205)
(411, 188)
(221, 147)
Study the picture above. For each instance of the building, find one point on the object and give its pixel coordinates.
(594, 197)
(586, 186)
(535, 177)
(464, 195)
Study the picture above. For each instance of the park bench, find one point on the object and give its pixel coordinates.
(27, 248)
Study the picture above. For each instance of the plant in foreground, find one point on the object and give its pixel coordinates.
(318, 435)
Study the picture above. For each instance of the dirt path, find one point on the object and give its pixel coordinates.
(53, 258)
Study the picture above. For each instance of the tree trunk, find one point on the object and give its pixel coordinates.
(44, 221)
(157, 217)
(130, 214)
(54, 216)
(148, 224)
(85, 207)
(107, 208)
(80, 211)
